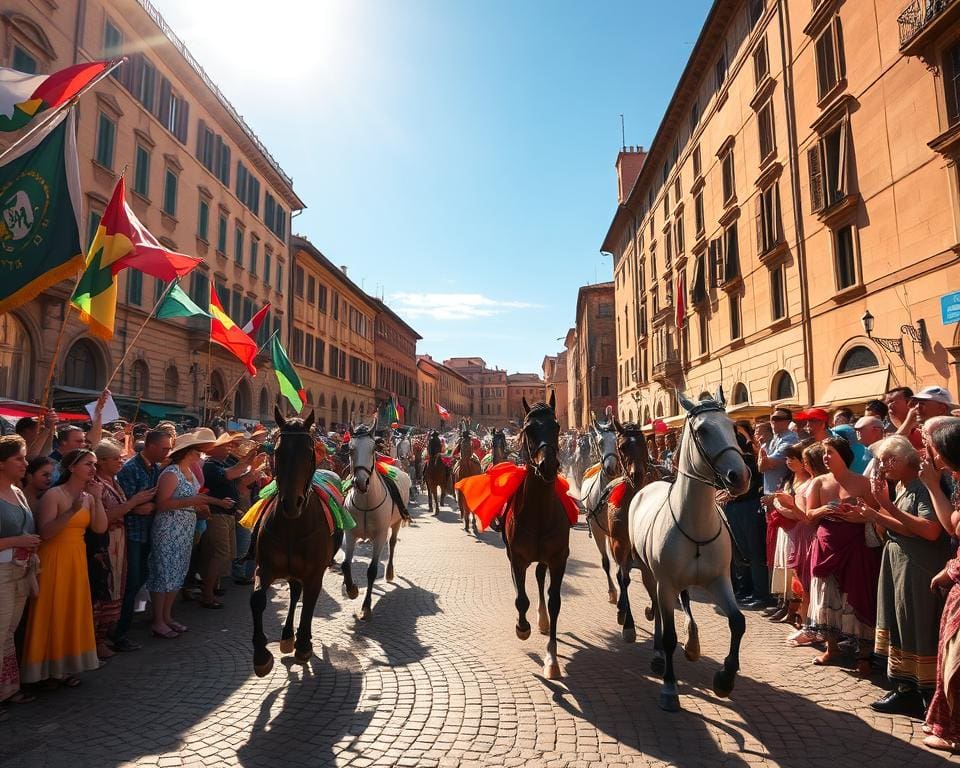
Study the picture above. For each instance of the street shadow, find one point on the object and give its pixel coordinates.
(393, 625)
(308, 714)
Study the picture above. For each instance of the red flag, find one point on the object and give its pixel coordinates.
(442, 412)
(681, 299)
(63, 85)
(224, 331)
(254, 323)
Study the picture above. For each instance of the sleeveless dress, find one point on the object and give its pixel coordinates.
(60, 639)
(171, 538)
(15, 520)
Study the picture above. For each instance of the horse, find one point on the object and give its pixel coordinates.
(466, 466)
(436, 474)
(537, 529)
(373, 505)
(678, 535)
(592, 492)
(581, 459)
(294, 542)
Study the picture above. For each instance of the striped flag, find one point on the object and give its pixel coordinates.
(229, 335)
(442, 412)
(254, 323)
(23, 96)
(290, 385)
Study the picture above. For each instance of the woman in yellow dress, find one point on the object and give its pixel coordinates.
(60, 641)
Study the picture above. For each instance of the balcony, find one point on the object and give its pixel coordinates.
(668, 371)
(924, 20)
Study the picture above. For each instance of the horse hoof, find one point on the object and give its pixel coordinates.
(544, 626)
(669, 702)
(286, 645)
(648, 613)
(262, 670)
(692, 651)
(723, 683)
(621, 617)
(658, 665)
(612, 597)
(551, 671)
(305, 655)
(365, 613)
(523, 634)
(353, 592)
(629, 635)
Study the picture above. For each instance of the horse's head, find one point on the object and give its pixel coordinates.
(363, 454)
(466, 441)
(632, 449)
(712, 449)
(499, 445)
(434, 444)
(294, 462)
(541, 436)
(605, 439)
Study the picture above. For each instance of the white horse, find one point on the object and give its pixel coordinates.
(591, 493)
(680, 539)
(373, 506)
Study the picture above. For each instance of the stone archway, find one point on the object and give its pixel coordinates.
(84, 366)
(218, 388)
(140, 379)
(243, 401)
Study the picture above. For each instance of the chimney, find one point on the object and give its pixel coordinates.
(629, 162)
(343, 268)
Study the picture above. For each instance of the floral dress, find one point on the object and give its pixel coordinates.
(171, 537)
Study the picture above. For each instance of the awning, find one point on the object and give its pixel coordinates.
(15, 409)
(748, 410)
(856, 388)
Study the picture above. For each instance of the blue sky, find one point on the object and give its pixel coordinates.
(457, 155)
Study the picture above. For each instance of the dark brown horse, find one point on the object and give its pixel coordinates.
(295, 542)
(467, 466)
(537, 529)
(436, 474)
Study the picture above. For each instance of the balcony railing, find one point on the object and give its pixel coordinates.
(667, 369)
(919, 15)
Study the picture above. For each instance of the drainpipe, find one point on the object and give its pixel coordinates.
(793, 143)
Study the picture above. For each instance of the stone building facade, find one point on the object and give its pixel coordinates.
(332, 337)
(488, 390)
(595, 366)
(520, 386)
(443, 385)
(395, 349)
(198, 178)
(555, 382)
(797, 183)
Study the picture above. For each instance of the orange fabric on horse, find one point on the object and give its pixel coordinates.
(489, 493)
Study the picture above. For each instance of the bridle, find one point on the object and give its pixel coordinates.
(711, 459)
(614, 454)
(371, 472)
(531, 453)
(309, 484)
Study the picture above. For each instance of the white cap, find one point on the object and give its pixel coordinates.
(937, 395)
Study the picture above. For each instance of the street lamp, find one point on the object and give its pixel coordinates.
(918, 335)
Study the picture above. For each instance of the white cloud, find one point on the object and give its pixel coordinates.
(452, 306)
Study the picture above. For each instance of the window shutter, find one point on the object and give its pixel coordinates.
(761, 240)
(816, 178)
(163, 107)
(183, 120)
(842, 162)
(777, 227)
(201, 135)
(731, 265)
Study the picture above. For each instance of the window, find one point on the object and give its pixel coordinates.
(845, 257)
(298, 281)
(311, 290)
(248, 188)
(827, 162)
(274, 216)
(698, 212)
(768, 141)
(134, 287)
(222, 162)
(145, 83)
(769, 230)
(783, 388)
(678, 238)
(238, 245)
(735, 330)
(755, 11)
(704, 333)
(721, 70)
(858, 358)
(23, 61)
(604, 310)
(731, 261)
(604, 386)
(93, 224)
(173, 111)
(141, 172)
(200, 287)
(280, 285)
(761, 65)
(170, 193)
(666, 204)
(203, 218)
(667, 249)
(206, 145)
(236, 304)
(254, 254)
(222, 224)
(729, 182)
(951, 82)
(716, 261)
(677, 192)
(112, 43)
(830, 60)
(696, 162)
(267, 265)
(106, 140)
(319, 354)
(694, 115)
(309, 349)
(778, 292)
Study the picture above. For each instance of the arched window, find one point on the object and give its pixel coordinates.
(264, 404)
(740, 394)
(630, 415)
(16, 358)
(140, 379)
(783, 387)
(84, 366)
(217, 388)
(659, 410)
(646, 415)
(344, 414)
(242, 401)
(322, 401)
(857, 358)
(171, 383)
(309, 397)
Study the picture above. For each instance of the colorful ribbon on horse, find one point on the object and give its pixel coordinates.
(591, 471)
(325, 484)
(488, 494)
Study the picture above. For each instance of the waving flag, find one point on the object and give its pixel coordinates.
(254, 323)
(178, 304)
(227, 334)
(442, 412)
(290, 385)
(390, 411)
(23, 96)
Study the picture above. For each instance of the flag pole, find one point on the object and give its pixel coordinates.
(63, 107)
(137, 337)
(44, 398)
(236, 384)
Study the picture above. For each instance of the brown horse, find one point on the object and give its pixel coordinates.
(436, 474)
(466, 466)
(295, 542)
(537, 529)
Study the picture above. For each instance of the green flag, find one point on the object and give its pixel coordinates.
(290, 385)
(40, 214)
(178, 304)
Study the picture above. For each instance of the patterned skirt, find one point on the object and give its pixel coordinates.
(171, 542)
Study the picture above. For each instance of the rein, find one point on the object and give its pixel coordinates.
(357, 490)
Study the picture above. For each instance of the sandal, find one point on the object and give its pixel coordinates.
(935, 742)
(70, 681)
(178, 627)
(171, 635)
(20, 698)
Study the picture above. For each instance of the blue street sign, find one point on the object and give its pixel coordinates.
(950, 308)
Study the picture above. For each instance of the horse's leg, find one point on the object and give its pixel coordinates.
(394, 530)
(543, 620)
(376, 547)
(551, 666)
(667, 602)
(337, 543)
(311, 593)
(657, 664)
(623, 604)
(464, 511)
(722, 591)
(347, 565)
(286, 636)
(522, 602)
(691, 649)
(600, 538)
(262, 658)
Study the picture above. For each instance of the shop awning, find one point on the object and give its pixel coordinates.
(748, 410)
(856, 388)
(14, 409)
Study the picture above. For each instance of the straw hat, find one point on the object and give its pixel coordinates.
(202, 439)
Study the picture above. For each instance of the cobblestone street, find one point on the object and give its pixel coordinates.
(438, 678)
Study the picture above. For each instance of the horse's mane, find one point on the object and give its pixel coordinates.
(632, 427)
(362, 430)
(294, 424)
(538, 410)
